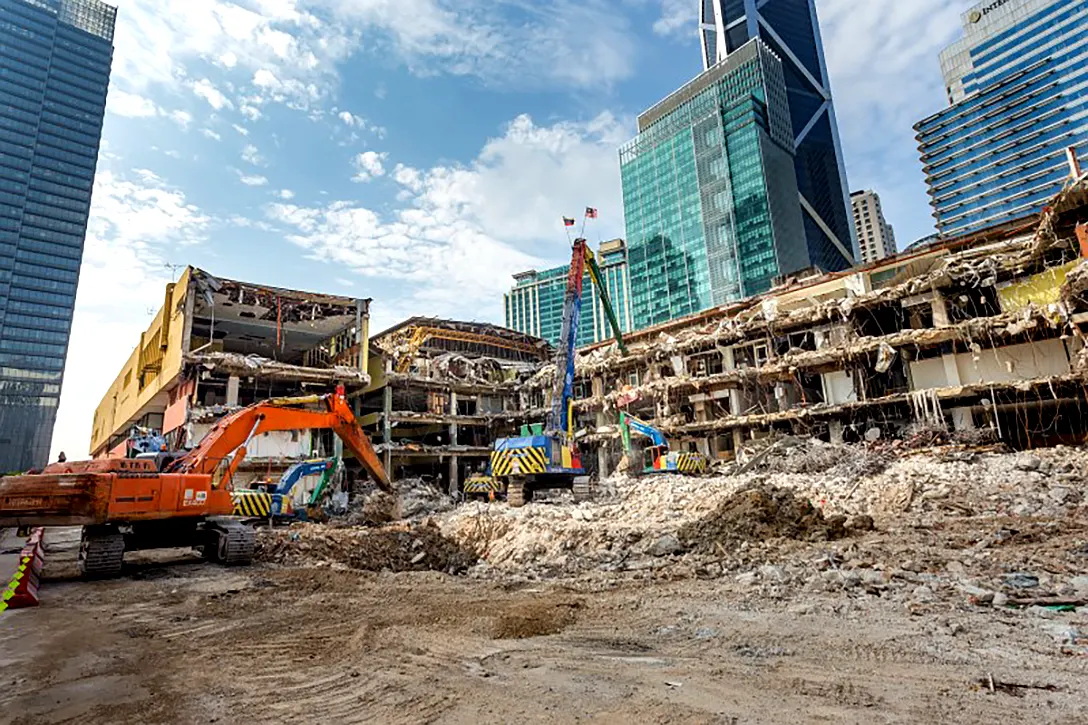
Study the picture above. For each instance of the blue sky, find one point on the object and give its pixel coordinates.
(418, 152)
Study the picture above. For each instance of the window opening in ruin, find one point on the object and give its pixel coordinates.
(968, 304)
(881, 320)
(466, 406)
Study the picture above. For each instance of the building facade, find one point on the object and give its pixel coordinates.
(1015, 84)
(217, 345)
(535, 304)
(791, 30)
(876, 238)
(55, 58)
(709, 197)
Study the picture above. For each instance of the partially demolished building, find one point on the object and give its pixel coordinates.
(980, 337)
(443, 392)
(217, 345)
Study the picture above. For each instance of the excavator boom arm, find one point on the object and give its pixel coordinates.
(235, 430)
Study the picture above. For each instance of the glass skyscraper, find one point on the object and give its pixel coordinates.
(1016, 83)
(535, 304)
(709, 193)
(791, 30)
(55, 58)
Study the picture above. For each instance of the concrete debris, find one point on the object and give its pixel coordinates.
(886, 519)
(228, 363)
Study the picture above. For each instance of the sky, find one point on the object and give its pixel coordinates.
(418, 152)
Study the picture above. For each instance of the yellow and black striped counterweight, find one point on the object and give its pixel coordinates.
(691, 462)
(252, 503)
(528, 460)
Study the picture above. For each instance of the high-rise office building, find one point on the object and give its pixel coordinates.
(535, 304)
(1016, 87)
(875, 235)
(55, 58)
(709, 193)
(790, 29)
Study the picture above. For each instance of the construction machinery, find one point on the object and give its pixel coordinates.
(544, 457)
(275, 501)
(172, 499)
(657, 458)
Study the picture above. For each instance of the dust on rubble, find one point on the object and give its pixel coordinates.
(394, 548)
(763, 513)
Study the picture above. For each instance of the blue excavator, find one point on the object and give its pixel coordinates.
(546, 456)
(274, 501)
(657, 458)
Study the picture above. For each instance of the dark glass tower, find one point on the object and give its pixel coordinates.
(55, 58)
(791, 30)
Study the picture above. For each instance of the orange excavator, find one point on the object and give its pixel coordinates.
(171, 499)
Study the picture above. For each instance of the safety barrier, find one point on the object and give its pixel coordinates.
(22, 589)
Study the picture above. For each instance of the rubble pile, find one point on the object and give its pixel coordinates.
(762, 513)
(392, 548)
(420, 498)
(740, 520)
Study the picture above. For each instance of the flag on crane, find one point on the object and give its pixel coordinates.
(591, 213)
(568, 222)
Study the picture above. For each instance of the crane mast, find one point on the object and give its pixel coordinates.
(581, 261)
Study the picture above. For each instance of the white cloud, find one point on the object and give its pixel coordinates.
(582, 43)
(157, 42)
(253, 180)
(240, 129)
(408, 177)
(871, 49)
(131, 105)
(251, 155)
(286, 194)
(368, 165)
(468, 228)
(678, 17)
(182, 119)
(211, 134)
(351, 119)
(135, 224)
(206, 89)
(251, 112)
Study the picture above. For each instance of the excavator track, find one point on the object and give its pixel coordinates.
(583, 489)
(231, 543)
(101, 551)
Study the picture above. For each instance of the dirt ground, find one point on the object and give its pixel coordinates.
(178, 640)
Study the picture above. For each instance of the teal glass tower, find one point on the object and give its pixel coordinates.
(55, 58)
(710, 195)
(535, 304)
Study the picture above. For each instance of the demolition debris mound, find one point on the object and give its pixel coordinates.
(760, 514)
(393, 548)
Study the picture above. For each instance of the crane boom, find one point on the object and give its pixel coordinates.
(232, 434)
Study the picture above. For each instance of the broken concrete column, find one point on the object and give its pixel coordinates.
(233, 383)
(454, 482)
(835, 428)
(604, 468)
(963, 419)
(738, 444)
(940, 311)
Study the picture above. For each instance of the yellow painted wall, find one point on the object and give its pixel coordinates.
(125, 398)
(1042, 289)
